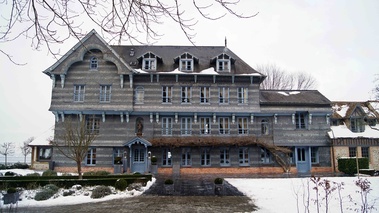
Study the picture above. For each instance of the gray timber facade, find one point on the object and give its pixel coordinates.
(193, 109)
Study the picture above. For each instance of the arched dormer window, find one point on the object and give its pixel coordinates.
(186, 62)
(93, 63)
(223, 63)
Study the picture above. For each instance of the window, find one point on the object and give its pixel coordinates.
(223, 95)
(139, 155)
(149, 61)
(264, 127)
(223, 125)
(166, 94)
(301, 155)
(105, 93)
(91, 157)
(186, 62)
(314, 155)
(205, 126)
(365, 152)
(223, 63)
(166, 157)
(118, 155)
(79, 91)
(300, 120)
(186, 157)
(186, 94)
(243, 156)
(93, 63)
(224, 157)
(44, 153)
(166, 126)
(205, 94)
(357, 125)
(352, 152)
(205, 157)
(265, 155)
(242, 126)
(242, 95)
(186, 126)
(139, 95)
(93, 125)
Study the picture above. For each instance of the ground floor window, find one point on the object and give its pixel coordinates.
(243, 156)
(265, 155)
(205, 157)
(166, 157)
(352, 152)
(117, 155)
(224, 157)
(44, 153)
(186, 157)
(91, 157)
(314, 155)
(365, 152)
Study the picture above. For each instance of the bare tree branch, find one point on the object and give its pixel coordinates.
(7, 148)
(25, 148)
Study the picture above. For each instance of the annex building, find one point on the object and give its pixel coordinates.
(193, 109)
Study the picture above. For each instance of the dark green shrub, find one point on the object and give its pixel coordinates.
(101, 191)
(49, 173)
(11, 190)
(47, 192)
(19, 165)
(9, 173)
(154, 160)
(121, 184)
(349, 165)
(136, 173)
(218, 180)
(117, 160)
(35, 174)
(32, 185)
(102, 173)
(169, 181)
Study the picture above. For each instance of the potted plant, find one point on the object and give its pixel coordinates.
(169, 186)
(219, 186)
(12, 196)
(154, 166)
(117, 165)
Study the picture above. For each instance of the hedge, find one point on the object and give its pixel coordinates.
(349, 165)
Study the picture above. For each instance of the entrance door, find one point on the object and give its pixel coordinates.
(303, 160)
(139, 161)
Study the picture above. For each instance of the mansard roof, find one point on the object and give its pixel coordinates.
(293, 97)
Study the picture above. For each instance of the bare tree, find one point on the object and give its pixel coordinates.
(279, 79)
(25, 148)
(7, 148)
(75, 140)
(48, 22)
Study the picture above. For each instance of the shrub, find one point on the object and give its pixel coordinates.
(96, 173)
(349, 165)
(9, 173)
(101, 191)
(11, 190)
(169, 181)
(47, 192)
(68, 192)
(218, 181)
(20, 166)
(121, 184)
(49, 173)
(32, 185)
(35, 174)
(154, 160)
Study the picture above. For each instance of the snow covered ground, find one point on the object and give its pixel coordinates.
(270, 195)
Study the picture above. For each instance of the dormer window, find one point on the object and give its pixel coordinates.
(357, 121)
(93, 63)
(149, 61)
(186, 62)
(223, 63)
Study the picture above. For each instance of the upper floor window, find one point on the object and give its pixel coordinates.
(139, 95)
(205, 95)
(205, 126)
(93, 63)
(186, 94)
(242, 126)
(149, 61)
(79, 91)
(93, 125)
(242, 95)
(223, 63)
(300, 120)
(357, 124)
(264, 127)
(223, 95)
(105, 93)
(223, 125)
(186, 62)
(186, 126)
(166, 126)
(91, 157)
(166, 94)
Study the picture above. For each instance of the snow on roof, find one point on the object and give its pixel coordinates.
(209, 71)
(342, 131)
(340, 109)
(289, 93)
(44, 138)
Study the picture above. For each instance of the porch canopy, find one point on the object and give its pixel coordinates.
(137, 140)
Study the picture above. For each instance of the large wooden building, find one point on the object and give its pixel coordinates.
(196, 109)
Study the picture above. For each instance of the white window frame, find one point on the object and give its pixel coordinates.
(224, 157)
(79, 92)
(223, 126)
(205, 95)
(167, 126)
(93, 63)
(243, 126)
(265, 155)
(186, 126)
(167, 94)
(105, 93)
(149, 64)
(139, 95)
(243, 156)
(91, 157)
(223, 65)
(186, 157)
(186, 94)
(205, 126)
(242, 95)
(223, 97)
(301, 120)
(186, 64)
(205, 157)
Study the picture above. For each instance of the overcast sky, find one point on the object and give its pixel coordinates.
(335, 41)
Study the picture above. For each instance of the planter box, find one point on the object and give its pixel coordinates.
(117, 168)
(11, 198)
(219, 189)
(169, 189)
(154, 169)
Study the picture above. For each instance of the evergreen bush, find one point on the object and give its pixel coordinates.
(49, 173)
(121, 184)
(169, 182)
(9, 173)
(218, 181)
(349, 165)
(35, 174)
(47, 192)
(101, 191)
